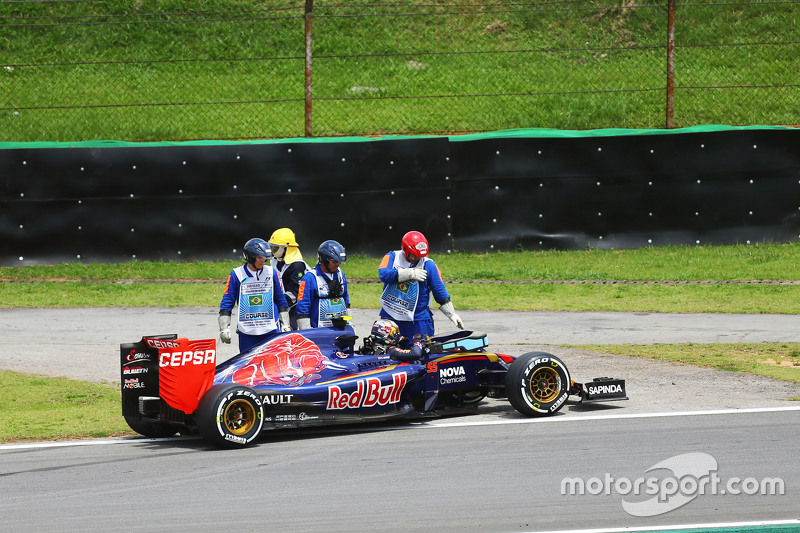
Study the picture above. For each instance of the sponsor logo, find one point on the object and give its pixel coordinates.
(670, 484)
(559, 402)
(198, 357)
(369, 393)
(290, 359)
(253, 316)
(604, 389)
(397, 301)
(285, 418)
(276, 399)
(451, 375)
(133, 383)
(234, 438)
(137, 356)
(158, 343)
(304, 416)
(135, 370)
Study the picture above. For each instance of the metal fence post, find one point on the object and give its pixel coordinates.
(309, 57)
(670, 63)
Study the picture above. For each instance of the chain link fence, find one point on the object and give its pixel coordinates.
(75, 70)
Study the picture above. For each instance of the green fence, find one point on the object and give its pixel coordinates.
(178, 70)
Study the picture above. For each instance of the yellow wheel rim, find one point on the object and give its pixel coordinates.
(240, 417)
(545, 385)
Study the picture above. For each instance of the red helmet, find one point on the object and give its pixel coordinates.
(415, 246)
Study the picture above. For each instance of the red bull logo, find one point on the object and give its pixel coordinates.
(290, 360)
(369, 393)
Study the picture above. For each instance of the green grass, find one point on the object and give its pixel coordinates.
(44, 408)
(592, 280)
(438, 67)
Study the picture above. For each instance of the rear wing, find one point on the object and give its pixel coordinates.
(175, 370)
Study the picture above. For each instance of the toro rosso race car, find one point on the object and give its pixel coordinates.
(316, 377)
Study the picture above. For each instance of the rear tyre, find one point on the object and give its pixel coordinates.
(537, 384)
(230, 416)
(154, 430)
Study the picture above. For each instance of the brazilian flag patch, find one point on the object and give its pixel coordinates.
(403, 287)
(256, 299)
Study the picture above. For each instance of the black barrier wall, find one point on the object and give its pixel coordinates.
(531, 189)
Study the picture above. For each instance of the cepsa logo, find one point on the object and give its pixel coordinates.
(159, 343)
(181, 358)
(369, 393)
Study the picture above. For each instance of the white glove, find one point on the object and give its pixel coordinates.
(404, 274)
(450, 313)
(224, 328)
(285, 324)
(411, 274)
(304, 323)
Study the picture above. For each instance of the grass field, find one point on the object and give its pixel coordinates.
(214, 69)
(724, 279)
(757, 278)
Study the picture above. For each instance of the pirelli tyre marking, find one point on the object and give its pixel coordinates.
(230, 416)
(537, 384)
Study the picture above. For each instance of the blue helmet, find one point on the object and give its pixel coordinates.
(255, 247)
(331, 251)
(386, 332)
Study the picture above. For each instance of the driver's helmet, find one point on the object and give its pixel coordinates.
(280, 239)
(386, 332)
(331, 251)
(415, 246)
(254, 248)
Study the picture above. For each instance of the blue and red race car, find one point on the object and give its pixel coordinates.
(317, 377)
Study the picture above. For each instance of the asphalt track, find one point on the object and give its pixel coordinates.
(496, 471)
(451, 475)
(83, 343)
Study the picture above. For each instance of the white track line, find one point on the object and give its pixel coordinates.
(713, 525)
(609, 417)
(422, 425)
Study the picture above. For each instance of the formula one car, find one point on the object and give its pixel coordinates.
(316, 377)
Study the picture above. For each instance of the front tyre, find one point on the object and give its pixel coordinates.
(537, 384)
(230, 416)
